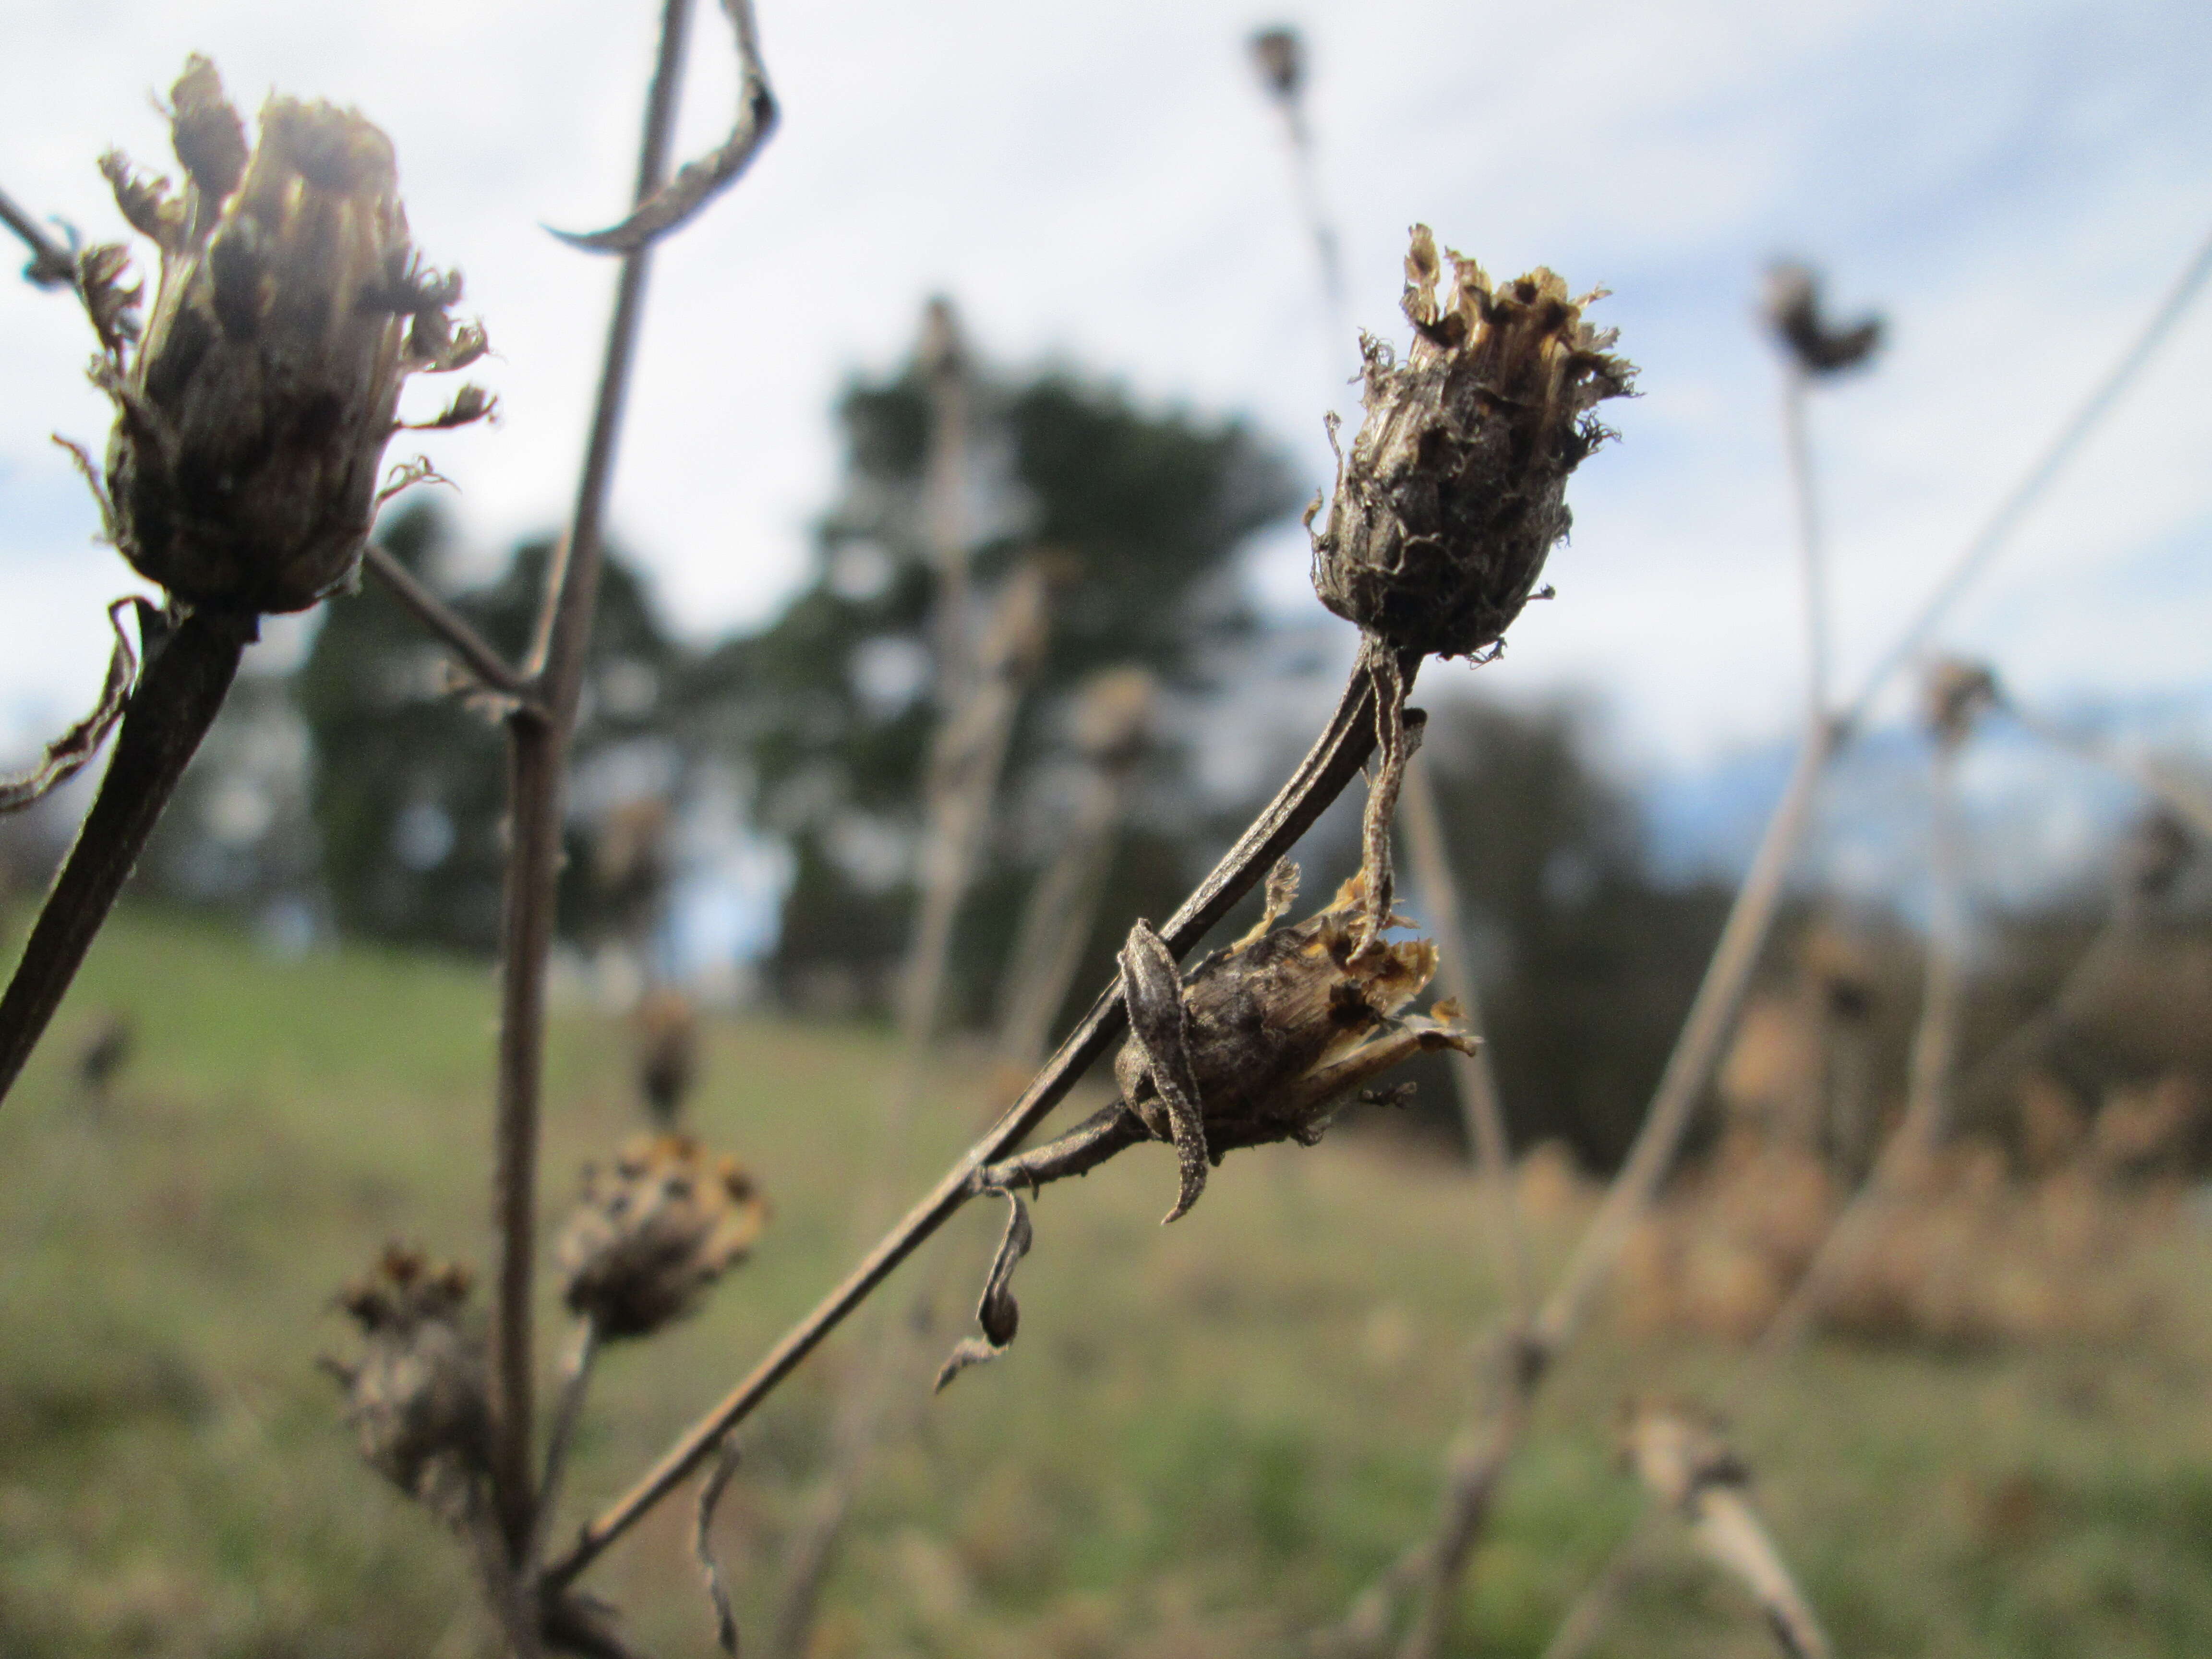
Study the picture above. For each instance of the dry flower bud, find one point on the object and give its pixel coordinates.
(416, 1398)
(251, 418)
(654, 1232)
(1793, 311)
(1279, 57)
(1958, 693)
(1454, 490)
(1276, 1032)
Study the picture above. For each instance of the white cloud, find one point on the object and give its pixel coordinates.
(2013, 184)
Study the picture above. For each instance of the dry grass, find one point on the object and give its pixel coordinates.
(1207, 1438)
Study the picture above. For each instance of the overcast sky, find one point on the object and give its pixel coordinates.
(2015, 185)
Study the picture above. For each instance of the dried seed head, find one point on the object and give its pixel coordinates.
(654, 1233)
(1677, 1451)
(1286, 1024)
(1958, 693)
(252, 419)
(667, 1031)
(1793, 311)
(1279, 55)
(1455, 487)
(416, 1398)
(1114, 715)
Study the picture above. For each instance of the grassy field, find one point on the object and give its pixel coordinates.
(1206, 1440)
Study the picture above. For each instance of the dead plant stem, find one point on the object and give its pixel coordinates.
(1328, 769)
(52, 265)
(1474, 1078)
(538, 747)
(181, 691)
(420, 602)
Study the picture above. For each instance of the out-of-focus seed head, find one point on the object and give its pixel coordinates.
(2158, 850)
(1290, 1023)
(654, 1231)
(417, 1397)
(1455, 489)
(252, 416)
(1958, 694)
(667, 1030)
(1819, 346)
(1114, 715)
(1280, 56)
(1677, 1451)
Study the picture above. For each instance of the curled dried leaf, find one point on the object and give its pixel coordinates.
(1278, 1031)
(69, 754)
(702, 1546)
(1152, 990)
(697, 183)
(998, 1313)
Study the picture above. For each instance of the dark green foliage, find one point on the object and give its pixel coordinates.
(1139, 516)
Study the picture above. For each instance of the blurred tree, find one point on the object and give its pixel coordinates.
(407, 785)
(1139, 515)
(1588, 962)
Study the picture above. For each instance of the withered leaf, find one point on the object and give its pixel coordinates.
(1152, 986)
(66, 755)
(997, 1313)
(676, 202)
(702, 1546)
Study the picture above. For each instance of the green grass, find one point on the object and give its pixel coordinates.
(1206, 1439)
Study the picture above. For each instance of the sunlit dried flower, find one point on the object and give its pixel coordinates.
(1454, 490)
(1793, 313)
(251, 418)
(1265, 1040)
(416, 1398)
(654, 1232)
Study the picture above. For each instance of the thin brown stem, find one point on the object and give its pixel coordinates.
(966, 763)
(1475, 1477)
(1935, 1042)
(537, 756)
(1812, 565)
(181, 692)
(50, 265)
(1326, 771)
(1685, 1465)
(567, 1411)
(1474, 1077)
(2012, 511)
(419, 602)
(2186, 800)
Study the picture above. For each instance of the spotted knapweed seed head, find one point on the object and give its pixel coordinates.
(654, 1231)
(417, 1397)
(251, 415)
(1455, 489)
(1957, 693)
(1266, 1040)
